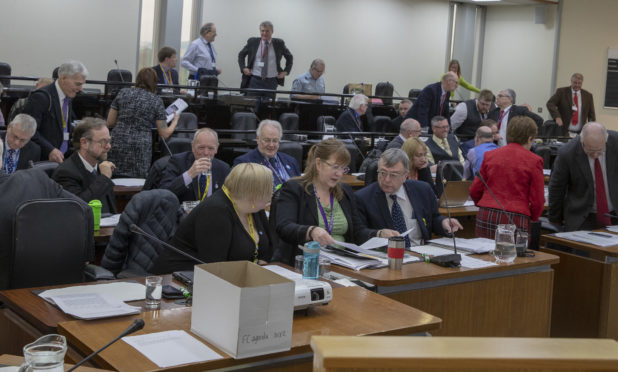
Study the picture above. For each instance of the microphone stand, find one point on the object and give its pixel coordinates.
(454, 259)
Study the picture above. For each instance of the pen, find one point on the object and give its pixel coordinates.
(601, 235)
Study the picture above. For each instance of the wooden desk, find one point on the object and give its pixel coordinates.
(353, 311)
(103, 235)
(504, 300)
(14, 360)
(585, 290)
(123, 194)
(466, 216)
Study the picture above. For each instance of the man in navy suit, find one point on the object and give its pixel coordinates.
(434, 100)
(394, 205)
(196, 174)
(166, 74)
(51, 107)
(507, 110)
(282, 165)
(19, 150)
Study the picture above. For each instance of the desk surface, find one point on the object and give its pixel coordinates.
(353, 311)
(470, 210)
(594, 250)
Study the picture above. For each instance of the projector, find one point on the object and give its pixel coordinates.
(311, 292)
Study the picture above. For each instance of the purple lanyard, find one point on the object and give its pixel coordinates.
(329, 228)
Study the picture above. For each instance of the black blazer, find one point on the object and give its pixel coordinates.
(213, 232)
(73, 177)
(30, 152)
(247, 54)
(296, 211)
(347, 122)
(516, 111)
(161, 79)
(48, 116)
(427, 105)
(178, 164)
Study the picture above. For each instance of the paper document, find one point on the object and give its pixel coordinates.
(176, 107)
(93, 305)
(613, 228)
(130, 182)
(123, 291)
(476, 245)
(171, 348)
(292, 275)
(9, 369)
(600, 239)
(357, 258)
(546, 172)
(469, 203)
(110, 221)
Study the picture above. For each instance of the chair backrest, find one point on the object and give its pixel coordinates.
(5, 69)
(447, 170)
(289, 121)
(385, 89)
(244, 121)
(207, 81)
(123, 76)
(178, 145)
(294, 149)
(371, 173)
(48, 251)
(187, 120)
(46, 165)
(380, 122)
(413, 93)
(55, 73)
(155, 174)
(550, 129)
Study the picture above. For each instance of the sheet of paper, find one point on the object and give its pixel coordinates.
(468, 203)
(171, 348)
(546, 172)
(178, 106)
(93, 305)
(475, 263)
(476, 245)
(129, 182)
(600, 239)
(124, 291)
(613, 228)
(110, 221)
(292, 275)
(9, 369)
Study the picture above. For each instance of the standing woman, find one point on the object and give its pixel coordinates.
(132, 113)
(419, 165)
(453, 66)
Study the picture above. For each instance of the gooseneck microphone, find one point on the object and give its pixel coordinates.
(453, 259)
(135, 326)
(119, 72)
(137, 230)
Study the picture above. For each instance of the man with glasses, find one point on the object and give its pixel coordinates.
(310, 82)
(268, 136)
(434, 100)
(201, 53)
(19, 150)
(507, 110)
(394, 205)
(409, 128)
(572, 107)
(87, 173)
(442, 145)
(468, 114)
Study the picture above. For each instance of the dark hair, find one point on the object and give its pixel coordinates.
(323, 151)
(520, 129)
(146, 79)
(165, 52)
(85, 128)
(486, 95)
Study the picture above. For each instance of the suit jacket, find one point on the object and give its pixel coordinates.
(396, 143)
(173, 180)
(374, 213)
(516, 111)
(48, 116)
(22, 186)
(73, 176)
(289, 163)
(427, 105)
(394, 125)
(561, 103)
(571, 186)
(247, 54)
(161, 79)
(346, 122)
(30, 152)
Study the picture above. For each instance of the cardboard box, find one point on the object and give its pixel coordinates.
(242, 308)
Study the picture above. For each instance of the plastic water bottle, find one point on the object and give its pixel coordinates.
(311, 262)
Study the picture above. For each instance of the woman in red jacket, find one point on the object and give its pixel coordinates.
(515, 175)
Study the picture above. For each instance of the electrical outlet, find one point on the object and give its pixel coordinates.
(539, 110)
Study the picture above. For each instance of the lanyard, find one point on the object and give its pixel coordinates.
(329, 227)
(252, 232)
(199, 189)
(276, 171)
(167, 75)
(263, 52)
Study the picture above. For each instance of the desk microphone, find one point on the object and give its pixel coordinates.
(137, 230)
(135, 326)
(453, 259)
(166, 146)
(119, 72)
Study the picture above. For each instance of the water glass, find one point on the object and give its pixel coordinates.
(45, 354)
(521, 244)
(505, 243)
(153, 292)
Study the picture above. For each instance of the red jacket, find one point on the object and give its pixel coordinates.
(515, 175)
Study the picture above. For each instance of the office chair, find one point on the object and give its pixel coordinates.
(371, 173)
(45, 165)
(380, 122)
(207, 81)
(178, 145)
(325, 123)
(289, 121)
(244, 121)
(413, 93)
(186, 121)
(294, 149)
(155, 174)
(157, 212)
(123, 76)
(50, 250)
(385, 89)
(55, 73)
(5, 69)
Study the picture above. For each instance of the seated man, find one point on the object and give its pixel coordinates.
(310, 82)
(166, 74)
(196, 174)
(442, 145)
(87, 173)
(282, 165)
(393, 203)
(409, 128)
(404, 106)
(19, 150)
(484, 141)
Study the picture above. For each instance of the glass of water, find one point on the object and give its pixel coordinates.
(505, 244)
(153, 292)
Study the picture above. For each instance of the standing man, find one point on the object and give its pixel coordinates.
(87, 173)
(404, 107)
(166, 74)
(201, 53)
(442, 145)
(484, 141)
(51, 107)
(260, 61)
(468, 114)
(310, 82)
(434, 100)
(572, 107)
(409, 128)
(583, 187)
(507, 110)
(196, 174)
(19, 150)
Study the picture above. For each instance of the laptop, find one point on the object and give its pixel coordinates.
(458, 192)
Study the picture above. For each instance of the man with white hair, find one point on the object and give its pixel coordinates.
(19, 150)
(409, 128)
(283, 166)
(51, 107)
(434, 100)
(507, 110)
(349, 120)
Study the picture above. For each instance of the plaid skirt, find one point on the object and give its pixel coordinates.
(488, 219)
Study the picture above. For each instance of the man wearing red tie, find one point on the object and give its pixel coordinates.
(583, 189)
(572, 107)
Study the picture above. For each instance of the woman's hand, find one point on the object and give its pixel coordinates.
(321, 236)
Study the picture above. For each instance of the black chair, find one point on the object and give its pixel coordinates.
(186, 121)
(155, 174)
(294, 149)
(244, 121)
(289, 121)
(385, 89)
(46, 166)
(5, 69)
(325, 123)
(55, 73)
(123, 76)
(550, 129)
(50, 251)
(178, 145)
(371, 174)
(380, 122)
(413, 93)
(207, 81)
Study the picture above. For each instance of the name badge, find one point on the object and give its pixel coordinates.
(260, 64)
(65, 136)
(574, 108)
(214, 65)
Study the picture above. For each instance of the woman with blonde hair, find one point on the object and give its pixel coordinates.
(416, 150)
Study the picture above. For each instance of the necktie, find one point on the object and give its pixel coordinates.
(601, 197)
(10, 161)
(65, 116)
(500, 119)
(265, 60)
(446, 147)
(94, 171)
(398, 219)
(202, 183)
(212, 55)
(576, 111)
(442, 100)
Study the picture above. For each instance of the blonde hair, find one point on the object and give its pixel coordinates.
(250, 181)
(323, 151)
(410, 146)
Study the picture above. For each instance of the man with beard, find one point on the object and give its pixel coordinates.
(87, 173)
(468, 114)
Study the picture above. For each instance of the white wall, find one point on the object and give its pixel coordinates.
(518, 54)
(37, 36)
(401, 41)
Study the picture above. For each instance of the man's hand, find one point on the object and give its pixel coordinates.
(201, 165)
(56, 155)
(559, 122)
(218, 71)
(451, 225)
(281, 75)
(106, 168)
(246, 71)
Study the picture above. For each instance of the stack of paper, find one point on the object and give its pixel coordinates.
(591, 237)
(476, 245)
(93, 305)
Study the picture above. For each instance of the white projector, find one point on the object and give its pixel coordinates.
(311, 292)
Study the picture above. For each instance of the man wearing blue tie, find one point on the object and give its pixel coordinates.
(201, 53)
(19, 150)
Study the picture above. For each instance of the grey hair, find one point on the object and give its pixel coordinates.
(592, 124)
(70, 68)
(406, 101)
(357, 101)
(274, 123)
(267, 24)
(206, 28)
(24, 122)
(408, 125)
(392, 157)
(484, 133)
(317, 62)
(436, 119)
(577, 75)
(205, 130)
(511, 93)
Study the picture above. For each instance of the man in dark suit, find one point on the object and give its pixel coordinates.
(584, 181)
(409, 128)
(166, 74)
(196, 174)
(572, 107)
(51, 107)
(404, 107)
(507, 110)
(442, 145)
(434, 100)
(260, 61)
(19, 150)
(86, 173)
(350, 119)
(282, 165)
(393, 205)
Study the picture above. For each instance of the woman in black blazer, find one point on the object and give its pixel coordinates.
(317, 206)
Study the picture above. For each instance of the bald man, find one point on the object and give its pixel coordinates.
(409, 128)
(434, 100)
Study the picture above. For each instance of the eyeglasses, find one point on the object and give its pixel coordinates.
(503, 96)
(441, 127)
(270, 141)
(337, 168)
(103, 142)
(385, 174)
